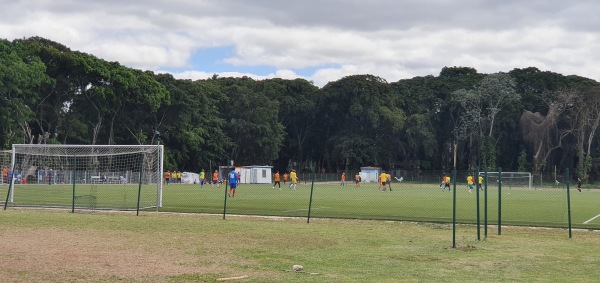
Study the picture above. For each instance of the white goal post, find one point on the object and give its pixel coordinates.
(118, 177)
(511, 179)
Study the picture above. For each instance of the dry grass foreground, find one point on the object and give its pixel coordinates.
(56, 246)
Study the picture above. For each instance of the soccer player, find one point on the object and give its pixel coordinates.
(215, 179)
(343, 183)
(382, 181)
(579, 183)
(233, 179)
(202, 176)
(49, 175)
(4, 175)
(470, 183)
(277, 182)
(167, 176)
(443, 184)
(285, 177)
(447, 183)
(294, 179)
(357, 179)
(480, 182)
(389, 181)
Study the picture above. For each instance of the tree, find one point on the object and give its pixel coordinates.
(298, 115)
(20, 76)
(481, 106)
(190, 124)
(584, 119)
(361, 121)
(541, 130)
(251, 122)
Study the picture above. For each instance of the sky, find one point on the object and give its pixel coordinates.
(321, 41)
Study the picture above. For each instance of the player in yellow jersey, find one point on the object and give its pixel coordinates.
(383, 181)
(480, 182)
(447, 183)
(470, 183)
(294, 179)
(357, 179)
(201, 176)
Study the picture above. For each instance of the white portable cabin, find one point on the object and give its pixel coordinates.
(369, 174)
(261, 174)
(254, 174)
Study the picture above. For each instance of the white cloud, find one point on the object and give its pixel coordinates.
(387, 38)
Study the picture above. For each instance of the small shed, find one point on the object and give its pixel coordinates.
(261, 174)
(255, 174)
(369, 174)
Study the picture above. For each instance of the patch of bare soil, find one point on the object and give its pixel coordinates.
(59, 255)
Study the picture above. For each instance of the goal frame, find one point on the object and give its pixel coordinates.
(38, 150)
(527, 175)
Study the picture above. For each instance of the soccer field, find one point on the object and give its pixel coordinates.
(407, 202)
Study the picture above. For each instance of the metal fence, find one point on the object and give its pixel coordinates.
(410, 196)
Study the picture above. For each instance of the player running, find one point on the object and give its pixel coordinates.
(277, 182)
(294, 178)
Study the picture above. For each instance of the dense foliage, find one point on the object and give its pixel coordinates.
(524, 119)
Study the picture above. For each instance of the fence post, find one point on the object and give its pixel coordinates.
(476, 182)
(568, 178)
(139, 185)
(11, 183)
(225, 201)
(311, 198)
(499, 200)
(454, 209)
(485, 202)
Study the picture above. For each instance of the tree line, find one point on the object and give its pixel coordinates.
(525, 119)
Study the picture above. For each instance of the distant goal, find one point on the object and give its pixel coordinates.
(510, 179)
(113, 177)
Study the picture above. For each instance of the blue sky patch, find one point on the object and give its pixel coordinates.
(211, 60)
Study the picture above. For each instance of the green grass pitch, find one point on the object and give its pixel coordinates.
(407, 202)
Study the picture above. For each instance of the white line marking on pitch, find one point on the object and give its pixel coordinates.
(306, 209)
(591, 219)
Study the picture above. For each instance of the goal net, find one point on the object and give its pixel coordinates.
(117, 177)
(509, 179)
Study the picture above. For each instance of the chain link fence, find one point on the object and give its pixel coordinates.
(511, 199)
(410, 196)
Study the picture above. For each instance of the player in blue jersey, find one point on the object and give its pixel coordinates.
(232, 178)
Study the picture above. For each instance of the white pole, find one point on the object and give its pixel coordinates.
(160, 170)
